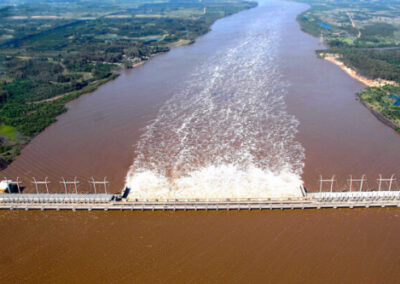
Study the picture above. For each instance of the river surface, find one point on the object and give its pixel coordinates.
(325, 246)
(247, 110)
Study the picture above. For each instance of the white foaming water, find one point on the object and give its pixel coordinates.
(225, 133)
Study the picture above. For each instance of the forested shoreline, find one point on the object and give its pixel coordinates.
(365, 36)
(62, 50)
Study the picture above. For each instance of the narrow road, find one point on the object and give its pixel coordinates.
(354, 26)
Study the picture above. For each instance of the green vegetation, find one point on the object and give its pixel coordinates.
(384, 100)
(371, 63)
(364, 35)
(7, 131)
(10, 142)
(53, 51)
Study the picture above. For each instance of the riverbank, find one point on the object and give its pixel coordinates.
(335, 59)
(223, 246)
(31, 104)
(366, 51)
(88, 89)
(112, 119)
(379, 116)
(375, 107)
(16, 141)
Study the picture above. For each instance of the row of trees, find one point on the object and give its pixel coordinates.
(384, 64)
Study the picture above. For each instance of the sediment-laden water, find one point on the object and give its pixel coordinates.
(227, 106)
(225, 132)
(221, 116)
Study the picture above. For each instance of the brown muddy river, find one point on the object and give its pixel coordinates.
(236, 97)
(247, 109)
(326, 246)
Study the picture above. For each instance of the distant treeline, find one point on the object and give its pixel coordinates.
(366, 36)
(44, 58)
(384, 64)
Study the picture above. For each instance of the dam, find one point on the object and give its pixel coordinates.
(107, 202)
(126, 200)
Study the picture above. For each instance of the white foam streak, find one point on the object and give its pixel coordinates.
(226, 181)
(226, 131)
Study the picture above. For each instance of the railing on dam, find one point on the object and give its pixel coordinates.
(71, 199)
(156, 206)
(56, 198)
(354, 195)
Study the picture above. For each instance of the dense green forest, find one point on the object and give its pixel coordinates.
(364, 35)
(51, 52)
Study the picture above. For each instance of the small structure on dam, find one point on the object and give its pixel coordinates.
(355, 196)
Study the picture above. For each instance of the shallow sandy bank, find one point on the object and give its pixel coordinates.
(335, 59)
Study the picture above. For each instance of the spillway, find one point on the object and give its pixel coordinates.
(225, 131)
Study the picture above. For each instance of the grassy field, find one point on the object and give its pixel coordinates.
(365, 36)
(53, 51)
(7, 131)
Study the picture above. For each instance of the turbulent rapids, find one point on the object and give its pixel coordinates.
(225, 132)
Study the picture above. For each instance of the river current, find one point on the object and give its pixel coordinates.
(247, 110)
(225, 132)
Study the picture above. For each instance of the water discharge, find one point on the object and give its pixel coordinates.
(225, 132)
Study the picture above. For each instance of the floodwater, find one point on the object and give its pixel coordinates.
(260, 106)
